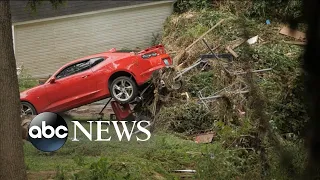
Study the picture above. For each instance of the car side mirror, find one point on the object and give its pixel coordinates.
(52, 80)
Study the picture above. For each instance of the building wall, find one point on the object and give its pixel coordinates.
(42, 47)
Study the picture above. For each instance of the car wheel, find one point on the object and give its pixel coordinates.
(27, 109)
(123, 89)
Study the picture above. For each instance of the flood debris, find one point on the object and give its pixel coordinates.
(237, 43)
(204, 138)
(182, 53)
(186, 94)
(293, 33)
(234, 45)
(185, 171)
(303, 43)
(228, 48)
(253, 40)
(268, 22)
(253, 71)
(184, 174)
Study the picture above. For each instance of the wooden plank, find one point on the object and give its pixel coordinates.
(179, 56)
(292, 33)
(232, 52)
(238, 43)
(204, 34)
(182, 53)
(296, 43)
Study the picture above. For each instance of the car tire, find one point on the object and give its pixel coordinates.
(27, 109)
(123, 89)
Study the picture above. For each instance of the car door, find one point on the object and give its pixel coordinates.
(70, 87)
(99, 74)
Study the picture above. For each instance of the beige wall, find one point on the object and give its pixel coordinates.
(43, 47)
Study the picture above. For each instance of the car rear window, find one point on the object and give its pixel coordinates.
(95, 61)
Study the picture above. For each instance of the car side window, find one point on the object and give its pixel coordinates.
(73, 69)
(95, 61)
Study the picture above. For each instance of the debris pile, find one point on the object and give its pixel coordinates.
(218, 88)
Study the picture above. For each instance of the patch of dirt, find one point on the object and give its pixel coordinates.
(90, 111)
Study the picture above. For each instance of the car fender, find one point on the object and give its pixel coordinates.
(38, 99)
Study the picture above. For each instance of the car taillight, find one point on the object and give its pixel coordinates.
(166, 61)
(149, 55)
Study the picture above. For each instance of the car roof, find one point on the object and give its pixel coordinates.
(103, 54)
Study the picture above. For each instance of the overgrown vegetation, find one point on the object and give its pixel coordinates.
(279, 9)
(282, 88)
(268, 129)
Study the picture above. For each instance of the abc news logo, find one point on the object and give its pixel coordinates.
(49, 131)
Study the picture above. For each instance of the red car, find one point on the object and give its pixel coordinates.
(93, 78)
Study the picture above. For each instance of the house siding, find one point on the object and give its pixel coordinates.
(22, 12)
(43, 47)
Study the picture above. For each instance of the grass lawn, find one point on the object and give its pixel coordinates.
(153, 159)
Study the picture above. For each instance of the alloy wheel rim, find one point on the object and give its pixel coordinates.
(26, 110)
(123, 90)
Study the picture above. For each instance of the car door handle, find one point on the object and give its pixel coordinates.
(85, 76)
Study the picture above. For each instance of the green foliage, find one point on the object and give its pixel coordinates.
(155, 39)
(34, 4)
(289, 163)
(189, 118)
(228, 164)
(115, 160)
(280, 9)
(60, 173)
(104, 170)
(79, 160)
(284, 87)
(196, 31)
(25, 80)
(281, 89)
(187, 5)
(203, 81)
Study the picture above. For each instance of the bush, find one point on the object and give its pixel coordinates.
(281, 9)
(228, 164)
(187, 118)
(25, 80)
(186, 5)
